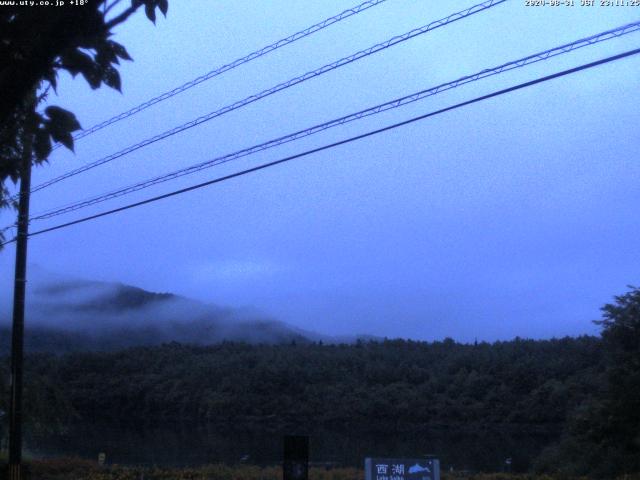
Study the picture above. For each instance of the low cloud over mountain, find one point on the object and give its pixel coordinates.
(70, 315)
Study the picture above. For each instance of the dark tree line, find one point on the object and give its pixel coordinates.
(374, 386)
(523, 387)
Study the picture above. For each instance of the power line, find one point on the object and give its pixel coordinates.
(342, 142)
(230, 66)
(9, 227)
(528, 60)
(282, 86)
(6, 229)
(13, 240)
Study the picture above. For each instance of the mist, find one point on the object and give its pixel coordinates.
(66, 313)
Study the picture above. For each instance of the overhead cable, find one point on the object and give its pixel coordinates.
(341, 142)
(528, 60)
(230, 66)
(282, 86)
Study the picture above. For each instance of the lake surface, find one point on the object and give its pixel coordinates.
(484, 450)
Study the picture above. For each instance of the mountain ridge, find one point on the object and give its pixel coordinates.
(71, 315)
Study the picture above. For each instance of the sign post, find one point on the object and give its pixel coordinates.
(296, 457)
(401, 469)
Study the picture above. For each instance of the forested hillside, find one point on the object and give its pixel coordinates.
(571, 404)
(522, 386)
(374, 386)
(377, 386)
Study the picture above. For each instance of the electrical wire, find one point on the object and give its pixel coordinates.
(345, 141)
(282, 86)
(528, 60)
(230, 66)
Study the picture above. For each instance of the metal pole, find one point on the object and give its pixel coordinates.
(17, 331)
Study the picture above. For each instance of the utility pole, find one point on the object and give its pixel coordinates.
(17, 329)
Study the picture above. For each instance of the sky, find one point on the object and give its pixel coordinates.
(516, 216)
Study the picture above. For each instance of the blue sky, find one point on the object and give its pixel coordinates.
(515, 216)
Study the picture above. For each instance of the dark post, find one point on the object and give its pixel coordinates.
(17, 329)
(296, 457)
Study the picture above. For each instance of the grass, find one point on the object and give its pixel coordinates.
(79, 469)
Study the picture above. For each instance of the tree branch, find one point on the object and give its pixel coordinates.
(122, 17)
(108, 8)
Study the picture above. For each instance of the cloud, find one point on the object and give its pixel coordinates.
(236, 270)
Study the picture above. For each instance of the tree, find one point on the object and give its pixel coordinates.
(38, 42)
(603, 434)
(621, 337)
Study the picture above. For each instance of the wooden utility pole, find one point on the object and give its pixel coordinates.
(17, 330)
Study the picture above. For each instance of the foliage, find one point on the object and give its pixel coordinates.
(64, 469)
(621, 335)
(603, 435)
(584, 392)
(36, 43)
(388, 386)
(518, 389)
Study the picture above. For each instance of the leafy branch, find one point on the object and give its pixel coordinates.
(35, 45)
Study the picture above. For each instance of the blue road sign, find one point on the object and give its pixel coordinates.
(401, 469)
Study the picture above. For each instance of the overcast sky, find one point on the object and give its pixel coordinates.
(514, 216)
